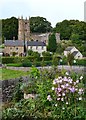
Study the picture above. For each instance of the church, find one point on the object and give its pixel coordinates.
(27, 40)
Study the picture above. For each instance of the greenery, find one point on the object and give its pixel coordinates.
(60, 96)
(71, 29)
(40, 25)
(10, 74)
(10, 27)
(52, 45)
(70, 59)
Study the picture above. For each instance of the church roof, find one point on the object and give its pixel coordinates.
(14, 43)
(35, 43)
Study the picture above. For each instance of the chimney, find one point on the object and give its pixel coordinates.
(14, 38)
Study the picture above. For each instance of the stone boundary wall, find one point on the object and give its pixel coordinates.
(8, 86)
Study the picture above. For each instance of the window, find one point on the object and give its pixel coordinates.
(42, 47)
(16, 48)
(31, 47)
(10, 48)
(36, 47)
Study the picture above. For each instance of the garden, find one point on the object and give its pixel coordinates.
(49, 94)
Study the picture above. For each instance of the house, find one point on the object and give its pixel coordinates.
(14, 48)
(77, 54)
(36, 46)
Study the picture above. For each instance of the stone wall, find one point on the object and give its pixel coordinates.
(8, 87)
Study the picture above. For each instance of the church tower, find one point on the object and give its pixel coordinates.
(23, 29)
(20, 28)
(27, 29)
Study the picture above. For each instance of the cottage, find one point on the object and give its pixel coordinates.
(36, 46)
(77, 54)
(14, 48)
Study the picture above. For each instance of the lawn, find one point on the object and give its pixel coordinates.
(9, 74)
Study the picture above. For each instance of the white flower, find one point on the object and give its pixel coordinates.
(81, 77)
(49, 98)
(63, 108)
(55, 105)
(66, 103)
(67, 73)
(60, 81)
(53, 88)
(77, 81)
(80, 98)
(58, 98)
(54, 82)
(62, 99)
(63, 94)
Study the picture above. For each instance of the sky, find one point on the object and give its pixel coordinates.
(53, 10)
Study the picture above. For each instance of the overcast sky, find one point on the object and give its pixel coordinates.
(53, 10)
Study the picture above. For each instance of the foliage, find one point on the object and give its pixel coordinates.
(18, 93)
(11, 74)
(60, 97)
(70, 58)
(55, 60)
(34, 72)
(52, 45)
(6, 60)
(46, 54)
(10, 28)
(71, 29)
(39, 25)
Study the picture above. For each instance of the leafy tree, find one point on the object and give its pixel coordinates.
(39, 25)
(68, 27)
(10, 28)
(55, 60)
(74, 37)
(70, 59)
(52, 45)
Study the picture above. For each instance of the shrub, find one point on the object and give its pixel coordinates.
(47, 58)
(6, 60)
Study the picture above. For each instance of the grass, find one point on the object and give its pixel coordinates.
(6, 74)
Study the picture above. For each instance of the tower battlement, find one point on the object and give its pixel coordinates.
(23, 29)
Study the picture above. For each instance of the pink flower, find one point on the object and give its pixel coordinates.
(72, 89)
(59, 89)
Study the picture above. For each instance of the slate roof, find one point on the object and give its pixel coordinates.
(35, 43)
(14, 43)
(69, 48)
(74, 53)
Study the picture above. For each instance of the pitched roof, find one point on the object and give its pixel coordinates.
(75, 52)
(69, 48)
(35, 43)
(14, 43)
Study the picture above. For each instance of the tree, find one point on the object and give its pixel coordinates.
(10, 28)
(55, 60)
(39, 25)
(52, 45)
(70, 59)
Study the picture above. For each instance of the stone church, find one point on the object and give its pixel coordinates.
(25, 34)
(27, 40)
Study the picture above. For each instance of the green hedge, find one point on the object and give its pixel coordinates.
(6, 60)
(81, 62)
(47, 58)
